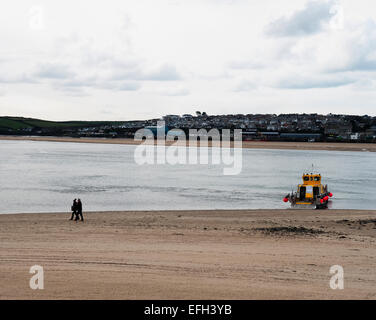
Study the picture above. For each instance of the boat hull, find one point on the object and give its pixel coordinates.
(309, 205)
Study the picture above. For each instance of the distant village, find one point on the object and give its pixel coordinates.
(282, 127)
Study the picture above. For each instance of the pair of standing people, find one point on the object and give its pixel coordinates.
(77, 210)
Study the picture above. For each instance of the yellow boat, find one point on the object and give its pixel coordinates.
(310, 194)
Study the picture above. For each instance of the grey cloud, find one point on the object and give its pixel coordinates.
(71, 90)
(18, 78)
(245, 85)
(135, 72)
(246, 64)
(83, 82)
(361, 50)
(174, 92)
(73, 87)
(211, 2)
(296, 82)
(107, 110)
(128, 79)
(164, 73)
(365, 84)
(126, 86)
(122, 66)
(180, 92)
(53, 71)
(307, 21)
(78, 84)
(363, 64)
(84, 67)
(126, 73)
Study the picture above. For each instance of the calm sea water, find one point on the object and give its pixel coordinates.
(46, 176)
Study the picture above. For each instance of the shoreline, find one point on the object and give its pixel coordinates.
(327, 146)
(202, 254)
(205, 211)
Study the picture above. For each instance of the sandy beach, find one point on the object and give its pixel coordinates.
(329, 146)
(241, 254)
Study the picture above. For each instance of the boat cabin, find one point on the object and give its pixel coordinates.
(311, 186)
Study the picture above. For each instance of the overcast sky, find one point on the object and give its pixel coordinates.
(123, 60)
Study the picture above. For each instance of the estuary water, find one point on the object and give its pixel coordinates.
(47, 176)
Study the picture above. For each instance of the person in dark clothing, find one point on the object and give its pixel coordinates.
(79, 210)
(74, 209)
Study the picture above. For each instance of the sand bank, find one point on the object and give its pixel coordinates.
(366, 147)
(242, 254)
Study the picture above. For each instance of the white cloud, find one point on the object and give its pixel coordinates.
(143, 59)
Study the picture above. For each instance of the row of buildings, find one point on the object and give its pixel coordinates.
(287, 127)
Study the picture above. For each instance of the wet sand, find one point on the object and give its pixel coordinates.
(240, 254)
(366, 147)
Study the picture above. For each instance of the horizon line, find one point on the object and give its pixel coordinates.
(209, 115)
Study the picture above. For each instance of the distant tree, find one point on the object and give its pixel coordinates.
(198, 113)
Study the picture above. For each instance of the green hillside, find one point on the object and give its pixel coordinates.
(17, 123)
